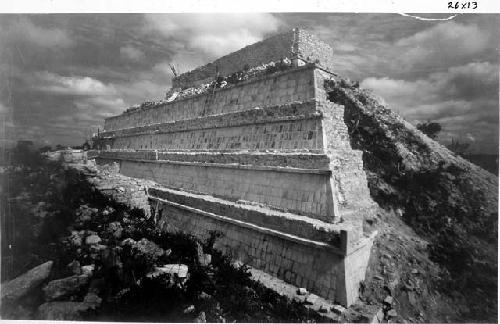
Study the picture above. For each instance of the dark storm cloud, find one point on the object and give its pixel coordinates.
(67, 72)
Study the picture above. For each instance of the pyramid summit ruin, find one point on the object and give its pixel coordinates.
(251, 147)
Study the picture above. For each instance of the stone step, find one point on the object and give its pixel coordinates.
(255, 114)
(330, 311)
(260, 215)
(304, 160)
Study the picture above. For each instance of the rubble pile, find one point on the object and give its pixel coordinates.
(232, 79)
(217, 83)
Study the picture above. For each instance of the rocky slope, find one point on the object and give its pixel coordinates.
(448, 206)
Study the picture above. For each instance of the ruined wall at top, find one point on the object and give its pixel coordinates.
(311, 49)
(295, 43)
(271, 49)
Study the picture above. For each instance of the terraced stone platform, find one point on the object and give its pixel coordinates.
(257, 153)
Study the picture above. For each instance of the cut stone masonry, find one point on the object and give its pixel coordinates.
(265, 160)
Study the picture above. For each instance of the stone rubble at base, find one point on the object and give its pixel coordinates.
(266, 161)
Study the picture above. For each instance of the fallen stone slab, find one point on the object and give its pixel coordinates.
(92, 239)
(338, 309)
(92, 299)
(59, 288)
(312, 299)
(25, 283)
(392, 313)
(74, 266)
(289, 291)
(301, 291)
(201, 318)
(64, 310)
(363, 313)
(88, 270)
(388, 300)
(178, 270)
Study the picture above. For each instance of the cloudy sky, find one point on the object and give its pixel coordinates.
(63, 74)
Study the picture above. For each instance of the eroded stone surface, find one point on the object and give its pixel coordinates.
(64, 310)
(22, 285)
(60, 288)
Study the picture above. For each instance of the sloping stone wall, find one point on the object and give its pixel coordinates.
(302, 193)
(302, 263)
(269, 90)
(292, 135)
(255, 159)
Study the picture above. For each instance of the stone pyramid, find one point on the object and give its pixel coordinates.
(250, 146)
